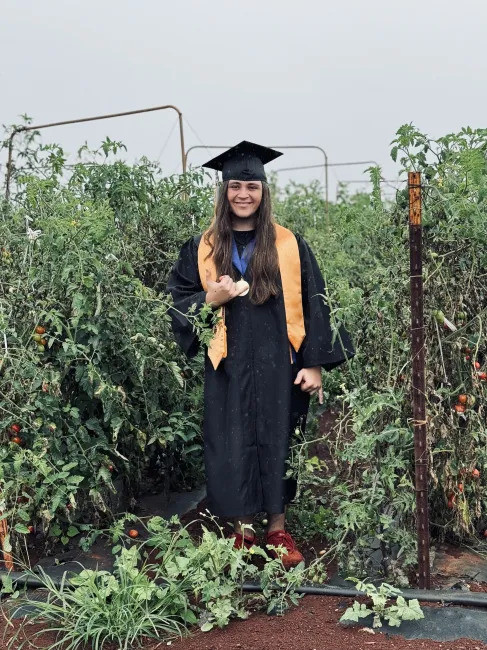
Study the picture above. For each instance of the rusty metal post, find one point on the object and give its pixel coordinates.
(21, 129)
(418, 379)
(7, 556)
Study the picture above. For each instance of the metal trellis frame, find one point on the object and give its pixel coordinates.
(38, 127)
(280, 146)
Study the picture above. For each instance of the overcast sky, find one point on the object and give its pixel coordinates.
(342, 75)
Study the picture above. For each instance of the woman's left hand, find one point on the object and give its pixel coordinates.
(310, 380)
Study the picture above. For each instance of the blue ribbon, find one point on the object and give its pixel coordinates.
(241, 263)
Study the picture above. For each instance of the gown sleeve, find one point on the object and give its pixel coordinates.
(317, 348)
(186, 290)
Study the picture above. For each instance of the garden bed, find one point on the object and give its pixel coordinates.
(310, 626)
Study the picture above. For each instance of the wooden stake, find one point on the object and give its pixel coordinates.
(7, 556)
(418, 379)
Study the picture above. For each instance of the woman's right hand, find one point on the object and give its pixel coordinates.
(219, 293)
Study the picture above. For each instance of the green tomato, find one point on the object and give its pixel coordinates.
(37, 338)
(40, 347)
(440, 316)
(38, 423)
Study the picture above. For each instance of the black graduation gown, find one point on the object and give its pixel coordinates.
(250, 402)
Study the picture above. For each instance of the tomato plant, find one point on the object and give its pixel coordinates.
(92, 376)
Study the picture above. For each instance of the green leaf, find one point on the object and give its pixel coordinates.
(22, 514)
(21, 528)
(55, 530)
(206, 627)
(358, 610)
(190, 617)
(69, 466)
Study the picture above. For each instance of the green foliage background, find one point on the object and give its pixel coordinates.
(110, 397)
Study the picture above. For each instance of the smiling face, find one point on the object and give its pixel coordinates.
(244, 197)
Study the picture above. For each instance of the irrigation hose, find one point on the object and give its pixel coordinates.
(425, 595)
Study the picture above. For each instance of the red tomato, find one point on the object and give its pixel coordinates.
(467, 358)
(475, 473)
(459, 408)
(16, 428)
(460, 487)
(485, 533)
(477, 365)
(110, 468)
(17, 440)
(450, 504)
(40, 329)
(482, 376)
(462, 399)
(133, 533)
(31, 529)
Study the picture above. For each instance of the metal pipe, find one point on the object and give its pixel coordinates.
(345, 164)
(21, 129)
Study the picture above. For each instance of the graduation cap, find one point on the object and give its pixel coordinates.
(243, 162)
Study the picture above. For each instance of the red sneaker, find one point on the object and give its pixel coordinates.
(248, 542)
(292, 557)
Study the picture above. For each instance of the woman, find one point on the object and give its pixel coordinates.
(265, 359)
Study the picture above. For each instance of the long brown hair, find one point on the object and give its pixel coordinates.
(264, 264)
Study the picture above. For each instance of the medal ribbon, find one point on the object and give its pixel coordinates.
(242, 263)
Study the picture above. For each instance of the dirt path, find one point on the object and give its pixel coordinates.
(310, 626)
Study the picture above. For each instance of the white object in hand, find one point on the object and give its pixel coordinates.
(242, 284)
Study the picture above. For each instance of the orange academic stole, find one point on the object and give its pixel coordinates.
(290, 268)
